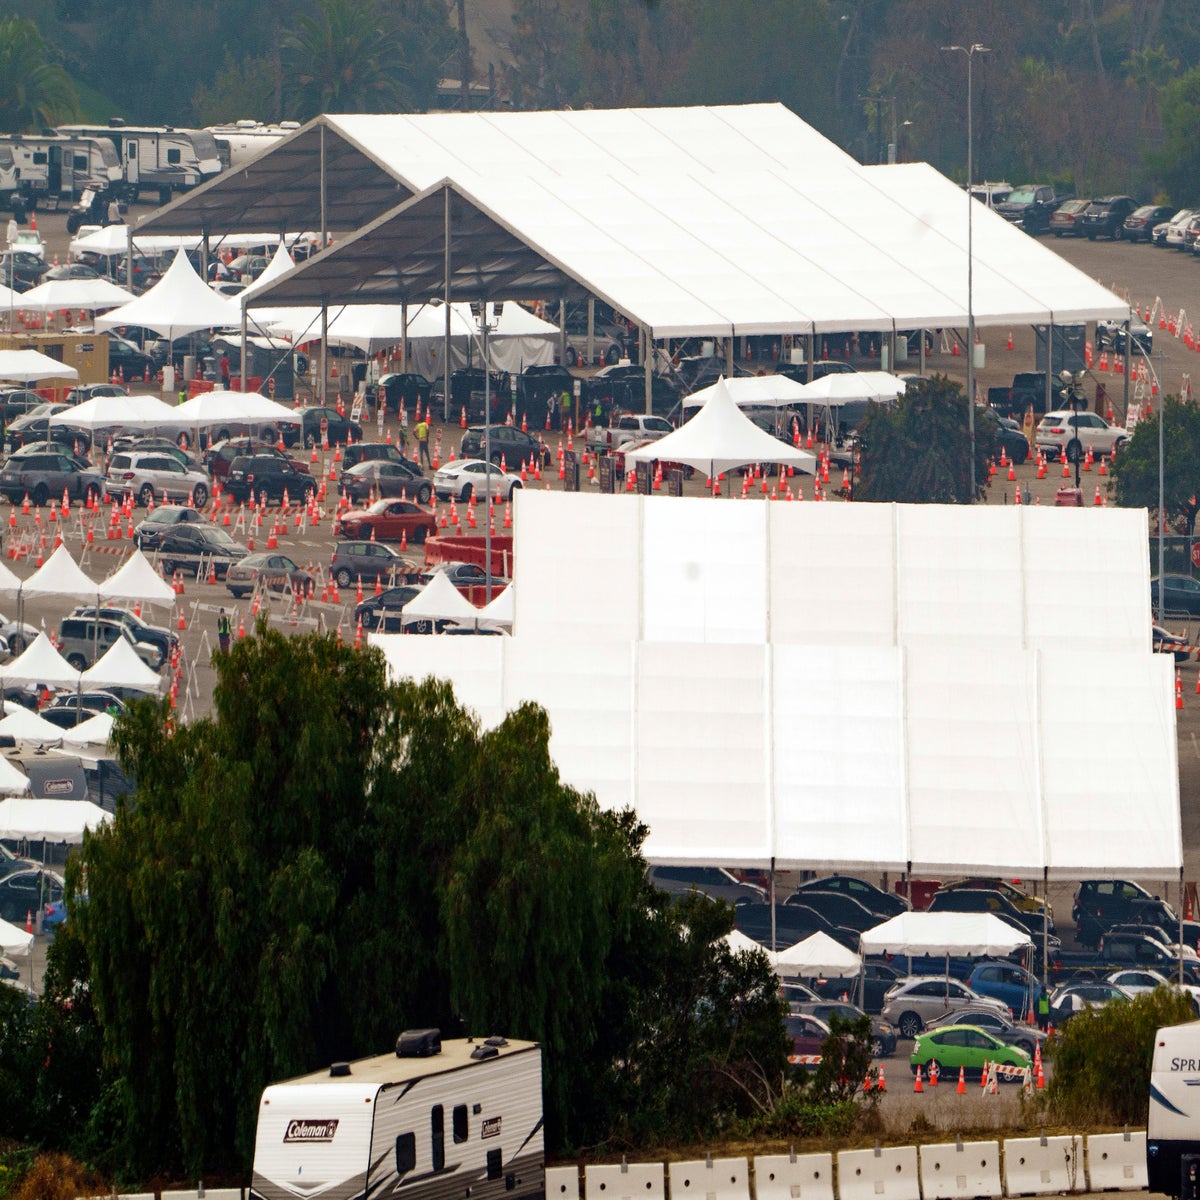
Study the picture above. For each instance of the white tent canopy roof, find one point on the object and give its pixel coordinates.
(498, 612)
(89, 294)
(817, 954)
(179, 303)
(13, 939)
(30, 366)
(840, 386)
(94, 731)
(721, 437)
(219, 407)
(11, 780)
(753, 391)
(135, 580)
(27, 726)
(104, 412)
(439, 600)
(59, 575)
(52, 820)
(9, 581)
(970, 934)
(121, 667)
(40, 662)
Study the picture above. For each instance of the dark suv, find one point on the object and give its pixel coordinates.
(46, 476)
(1106, 217)
(368, 452)
(259, 474)
(1100, 903)
(1031, 206)
(154, 635)
(507, 442)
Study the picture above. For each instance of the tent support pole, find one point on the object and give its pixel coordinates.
(729, 355)
(591, 342)
(771, 880)
(446, 300)
(1180, 894)
(562, 332)
(810, 345)
(644, 344)
(244, 355)
(1045, 926)
(324, 308)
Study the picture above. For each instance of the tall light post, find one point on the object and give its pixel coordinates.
(479, 310)
(970, 51)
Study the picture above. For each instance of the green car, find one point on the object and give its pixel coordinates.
(968, 1046)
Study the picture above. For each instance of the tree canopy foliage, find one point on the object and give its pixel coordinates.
(919, 450)
(332, 858)
(35, 90)
(1135, 469)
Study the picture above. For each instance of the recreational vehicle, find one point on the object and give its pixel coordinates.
(52, 166)
(240, 141)
(157, 158)
(1173, 1129)
(435, 1119)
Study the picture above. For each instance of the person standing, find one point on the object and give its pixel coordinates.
(12, 230)
(225, 371)
(422, 432)
(1042, 1008)
(224, 628)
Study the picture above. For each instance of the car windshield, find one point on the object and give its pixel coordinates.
(1023, 196)
(218, 537)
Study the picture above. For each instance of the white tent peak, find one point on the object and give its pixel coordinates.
(439, 600)
(30, 366)
(59, 575)
(281, 263)
(40, 663)
(917, 933)
(27, 726)
(817, 954)
(136, 579)
(120, 666)
(773, 391)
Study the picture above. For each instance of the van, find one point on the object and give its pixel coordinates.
(83, 641)
(358, 452)
(1173, 1126)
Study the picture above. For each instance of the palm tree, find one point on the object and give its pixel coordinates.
(34, 91)
(343, 59)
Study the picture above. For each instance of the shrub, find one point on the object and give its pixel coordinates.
(1102, 1060)
(55, 1177)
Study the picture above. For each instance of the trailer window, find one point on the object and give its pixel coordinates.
(495, 1164)
(173, 157)
(437, 1133)
(40, 158)
(459, 1118)
(406, 1153)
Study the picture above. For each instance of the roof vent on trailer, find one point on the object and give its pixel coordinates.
(489, 1048)
(115, 122)
(419, 1043)
(339, 1070)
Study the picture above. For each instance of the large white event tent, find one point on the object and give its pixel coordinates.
(115, 412)
(31, 366)
(136, 580)
(805, 685)
(49, 820)
(941, 933)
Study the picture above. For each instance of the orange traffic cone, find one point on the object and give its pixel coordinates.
(983, 1078)
(28, 920)
(934, 1073)
(880, 1082)
(917, 1084)
(962, 1082)
(1178, 691)
(866, 1086)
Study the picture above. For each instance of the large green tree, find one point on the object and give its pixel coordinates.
(35, 90)
(919, 450)
(1135, 469)
(332, 858)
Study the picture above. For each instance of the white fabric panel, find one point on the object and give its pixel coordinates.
(838, 758)
(576, 563)
(1086, 578)
(587, 690)
(959, 574)
(974, 799)
(832, 575)
(917, 933)
(701, 755)
(704, 571)
(475, 666)
(1110, 770)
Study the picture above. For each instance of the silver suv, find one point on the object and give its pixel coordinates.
(916, 999)
(83, 641)
(152, 475)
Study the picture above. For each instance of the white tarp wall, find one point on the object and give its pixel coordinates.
(843, 686)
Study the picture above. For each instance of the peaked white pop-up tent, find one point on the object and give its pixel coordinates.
(14, 940)
(739, 943)
(137, 580)
(40, 663)
(817, 954)
(104, 412)
(754, 391)
(720, 437)
(95, 731)
(498, 613)
(219, 407)
(440, 600)
(59, 575)
(11, 780)
(30, 366)
(27, 726)
(179, 303)
(121, 667)
(944, 933)
(843, 386)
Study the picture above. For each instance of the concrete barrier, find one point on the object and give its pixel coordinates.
(960, 1170)
(623, 1181)
(207, 1194)
(890, 1172)
(1117, 1162)
(562, 1183)
(710, 1179)
(793, 1177)
(1043, 1166)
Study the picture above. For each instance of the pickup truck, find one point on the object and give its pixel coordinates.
(1027, 390)
(1031, 206)
(628, 427)
(1120, 950)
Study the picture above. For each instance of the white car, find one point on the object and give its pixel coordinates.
(472, 476)
(155, 476)
(1139, 982)
(1177, 229)
(31, 242)
(1075, 433)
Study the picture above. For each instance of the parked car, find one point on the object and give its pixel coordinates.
(16, 636)
(360, 452)
(1019, 899)
(608, 339)
(83, 641)
(1141, 982)
(384, 478)
(31, 242)
(383, 613)
(624, 387)
(139, 630)
(190, 548)
(1140, 224)
(75, 270)
(405, 387)
(270, 569)
(149, 476)
(1024, 1037)
(975, 901)
(539, 392)
(470, 575)
(368, 561)
(91, 702)
(625, 428)
(1078, 432)
(913, 1000)
(1100, 903)
(883, 1032)
(387, 521)
(788, 925)
(700, 371)
(337, 430)
(24, 893)
(1071, 999)
(35, 426)
(473, 477)
(221, 455)
(148, 534)
(1114, 335)
(1008, 434)
(1064, 220)
(807, 1035)
(129, 361)
(839, 907)
(712, 881)
(877, 978)
(16, 402)
(89, 391)
(1030, 205)
(1180, 594)
(46, 476)
(20, 270)
(255, 476)
(968, 1049)
(508, 443)
(1105, 217)
(1175, 237)
(1007, 982)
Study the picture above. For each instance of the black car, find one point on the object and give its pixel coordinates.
(1105, 217)
(127, 360)
(838, 908)
(261, 475)
(403, 388)
(1114, 335)
(1139, 225)
(1180, 595)
(382, 613)
(75, 270)
(187, 548)
(20, 270)
(876, 979)
(386, 479)
(16, 402)
(508, 443)
(883, 1032)
(981, 900)
(320, 424)
(873, 899)
(471, 575)
(221, 454)
(360, 452)
(1031, 206)
(820, 368)
(539, 392)
(1101, 903)
(712, 881)
(792, 923)
(1007, 433)
(467, 391)
(624, 386)
(24, 893)
(35, 426)
(701, 371)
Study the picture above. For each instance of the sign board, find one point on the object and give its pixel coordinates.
(607, 474)
(1196, 554)
(674, 482)
(645, 478)
(357, 407)
(1133, 414)
(570, 471)
(1067, 344)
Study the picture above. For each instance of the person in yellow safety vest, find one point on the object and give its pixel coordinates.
(422, 433)
(564, 409)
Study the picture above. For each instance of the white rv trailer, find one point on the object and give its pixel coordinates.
(434, 1121)
(240, 141)
(157, 158)
(1173, 1129)
(51, 165)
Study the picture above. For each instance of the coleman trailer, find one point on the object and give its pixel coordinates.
(434, 1121)
(241, 141)
(53, 166)
(1173, 1129)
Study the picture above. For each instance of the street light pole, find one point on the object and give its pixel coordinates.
(970, 51)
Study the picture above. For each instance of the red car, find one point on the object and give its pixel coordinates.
(389, 520)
